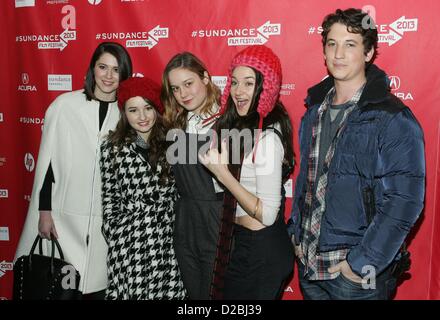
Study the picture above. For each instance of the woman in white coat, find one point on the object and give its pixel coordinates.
(66, 195)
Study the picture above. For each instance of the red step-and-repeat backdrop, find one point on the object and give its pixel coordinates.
(46, 46)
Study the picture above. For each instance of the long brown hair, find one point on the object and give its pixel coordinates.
(124, 135)
(175, 115)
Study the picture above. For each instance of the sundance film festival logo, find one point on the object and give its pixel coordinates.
(220, 81)
(1, 116)
(137, 39)
(5, 266)
(4, 234)
(396, 30)
(3, 193)
(24, 3)
(29, 162)
(57, 1)
(59, 82)
(286, 89)
(30, 120)
(24, 86)
(392, 32)
(55, 41)
(243, 36)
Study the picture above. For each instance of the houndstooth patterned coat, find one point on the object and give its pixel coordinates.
(138, 226)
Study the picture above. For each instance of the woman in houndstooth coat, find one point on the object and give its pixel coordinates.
(138, 200)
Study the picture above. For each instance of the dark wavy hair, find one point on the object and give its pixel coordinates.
(232, 120)
(356, 21)
(125, 67)
(124, 135)
(175, 115)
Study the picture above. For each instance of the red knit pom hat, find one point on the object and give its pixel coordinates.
(263, 59)
(139, 87)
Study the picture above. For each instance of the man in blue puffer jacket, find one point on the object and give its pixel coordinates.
(361, 184)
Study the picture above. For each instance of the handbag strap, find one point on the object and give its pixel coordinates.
(57, 244)
(40, 246)
(54, 243)
(37, 239)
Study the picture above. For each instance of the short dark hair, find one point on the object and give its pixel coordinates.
(356, 21)
(124, 65)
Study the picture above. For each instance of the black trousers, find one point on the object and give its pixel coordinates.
(261, 262)
(195, 243)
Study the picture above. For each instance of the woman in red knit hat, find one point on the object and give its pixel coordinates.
(138, 196)
(262, 257)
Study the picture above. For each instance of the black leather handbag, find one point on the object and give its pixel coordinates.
(40, 277)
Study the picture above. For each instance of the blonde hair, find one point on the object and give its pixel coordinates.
(175, 115)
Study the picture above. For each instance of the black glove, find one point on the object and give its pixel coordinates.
(402, 265)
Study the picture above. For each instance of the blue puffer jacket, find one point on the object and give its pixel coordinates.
(376, 180)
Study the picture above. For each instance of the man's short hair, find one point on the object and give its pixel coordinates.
(356, 21)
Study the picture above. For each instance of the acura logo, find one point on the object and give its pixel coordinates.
(24, 78)
(394, 82)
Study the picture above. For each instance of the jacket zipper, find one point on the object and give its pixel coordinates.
(93, 192)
